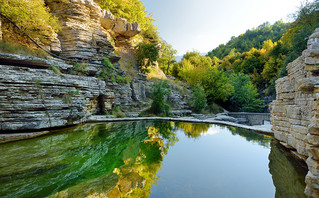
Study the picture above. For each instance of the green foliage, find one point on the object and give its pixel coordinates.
(79, 69)
(56, 69)
(199, 98)
(194, 67)
(251, 39)
(215, 108)
(306, 21)
(107, 63)
(133, 11)
(146, 55)
(167, 58)
(106, 70)
(120, 79)
(32, 16)
(217, 85)
(116, 111)
(245, 94)
(160, 93)
(14, 48)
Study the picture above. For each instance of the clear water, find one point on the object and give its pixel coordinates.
(150, 159)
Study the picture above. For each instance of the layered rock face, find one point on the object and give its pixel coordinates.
(38, 93)
(32, 96)
(295, 112)
(83, 33)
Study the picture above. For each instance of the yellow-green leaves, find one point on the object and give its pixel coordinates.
(32, 16)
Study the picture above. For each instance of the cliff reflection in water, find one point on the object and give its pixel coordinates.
(114, 160)
(288, 173)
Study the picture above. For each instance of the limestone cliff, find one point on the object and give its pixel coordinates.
(40, 93)
(84, 29)
(295, 113)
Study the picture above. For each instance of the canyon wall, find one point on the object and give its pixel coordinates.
(37, 93)
(295, 112)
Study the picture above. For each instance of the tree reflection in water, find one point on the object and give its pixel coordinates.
(250, 136)
(113, 160)
(192, 130)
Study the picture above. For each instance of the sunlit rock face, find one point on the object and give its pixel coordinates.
(84, 25)
(295, 112)
(81, 35)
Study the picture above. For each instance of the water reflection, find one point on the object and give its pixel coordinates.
(110, 160)
(193, 130)
(262, 140)
(288, 173)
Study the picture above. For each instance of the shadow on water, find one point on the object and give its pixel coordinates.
(115, 160)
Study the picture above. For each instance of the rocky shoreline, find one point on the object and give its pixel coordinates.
(263, 129)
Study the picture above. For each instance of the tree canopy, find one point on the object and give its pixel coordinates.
(251, 39)
(32, 16)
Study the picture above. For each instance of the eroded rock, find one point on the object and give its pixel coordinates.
(81, 36)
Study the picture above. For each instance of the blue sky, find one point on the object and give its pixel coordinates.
(202, 25)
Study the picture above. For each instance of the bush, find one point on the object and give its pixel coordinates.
(199, 98)
(160, 93)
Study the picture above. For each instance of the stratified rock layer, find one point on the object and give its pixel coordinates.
(295, 112)
(84, 25)
(81, 35)
(38, 93)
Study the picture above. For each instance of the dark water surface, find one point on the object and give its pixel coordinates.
(150, 159)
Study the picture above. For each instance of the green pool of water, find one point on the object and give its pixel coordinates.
(150, 159)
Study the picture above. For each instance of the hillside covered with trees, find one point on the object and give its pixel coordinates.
(239, 74)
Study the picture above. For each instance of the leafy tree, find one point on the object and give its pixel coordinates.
(251, 39)
(167, 58)
(199, 98)
(244, 97)
(216, 85)
(146, 55)
(306, 21)
(30, 15)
